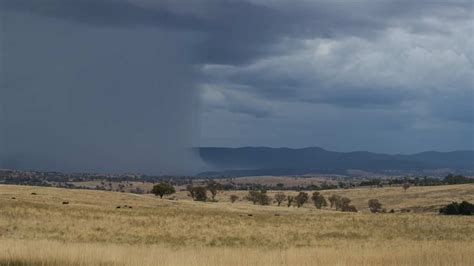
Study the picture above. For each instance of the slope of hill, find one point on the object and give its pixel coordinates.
(285, 161)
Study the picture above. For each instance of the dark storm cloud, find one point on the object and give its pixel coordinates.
(329, 73)
(236, 31)
(112, 13)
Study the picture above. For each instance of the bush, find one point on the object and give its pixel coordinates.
(375, 206)
(233, 198)
(301, 199)
(162, 189)
(464, 208)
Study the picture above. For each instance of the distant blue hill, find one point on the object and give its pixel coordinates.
(287, 161)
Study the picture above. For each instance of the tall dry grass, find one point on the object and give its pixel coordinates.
(91, 230)
(20, 252)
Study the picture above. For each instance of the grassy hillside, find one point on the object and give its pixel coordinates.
(39, 228)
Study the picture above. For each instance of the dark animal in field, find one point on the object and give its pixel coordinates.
(65, 202)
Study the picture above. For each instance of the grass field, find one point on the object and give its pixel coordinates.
(91, 230)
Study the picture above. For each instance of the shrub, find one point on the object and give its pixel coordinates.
(233, 198)
(319, 200)
(162, 189)
(301, 199)
(280, 197)
(350, 208)
(375, 205)
(464, 208)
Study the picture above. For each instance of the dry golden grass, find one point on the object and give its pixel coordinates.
(39, 229)
(20, 252)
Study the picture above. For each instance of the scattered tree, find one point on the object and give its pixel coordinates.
(319, 200)
(197, 193)
(280, 197)
(213, 187)
(301, 199)
(233, 198)
(162, 189)
(344, 205)
(252, 196)
(259, 197)
(375, 206)
(290, 200)
(333, 200)
(264, 199)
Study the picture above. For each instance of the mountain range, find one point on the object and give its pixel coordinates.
(287, 161)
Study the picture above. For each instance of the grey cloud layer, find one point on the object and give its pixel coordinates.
(388, 76)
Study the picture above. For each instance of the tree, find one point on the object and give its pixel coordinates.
(406, 186)
(375, 206)
(333, 200)
(263, 198)
(301, 199)
(344, 205)
(197, 193)
(162, 189)
(280, 197)
(252, 196)
(319, 200)
(259, 197)
(233, 198)
(290, 200)
(213, 187)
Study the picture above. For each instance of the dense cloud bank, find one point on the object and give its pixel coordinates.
(115, 85)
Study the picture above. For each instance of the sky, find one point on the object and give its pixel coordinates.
(129, 85)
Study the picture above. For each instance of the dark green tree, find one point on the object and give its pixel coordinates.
(162, 189)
